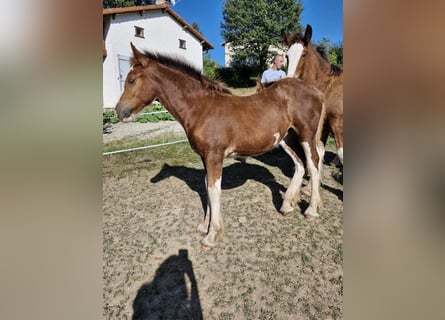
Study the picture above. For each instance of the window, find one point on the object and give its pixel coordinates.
(182, 44)
(139, 32)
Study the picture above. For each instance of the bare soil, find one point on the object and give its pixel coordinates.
(267, 267)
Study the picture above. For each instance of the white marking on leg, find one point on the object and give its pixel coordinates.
(230, 152)
(293, 191)
(216, 225)
(340, 154)
(277, 138)
(204, 226)
(321, 151)
(315, 182)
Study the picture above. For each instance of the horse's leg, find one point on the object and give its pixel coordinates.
(320, 150)
(312, 158)
(324, 139)
(214, 175)
(336, 125)
(204, 226)
(306, 190)
(292, 194)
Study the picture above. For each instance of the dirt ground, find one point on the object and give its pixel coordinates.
(267, 267)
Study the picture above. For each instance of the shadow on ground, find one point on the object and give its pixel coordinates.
(278, 158)
(234, 175)
(168, 296)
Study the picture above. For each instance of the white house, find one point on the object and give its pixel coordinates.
(152, 27)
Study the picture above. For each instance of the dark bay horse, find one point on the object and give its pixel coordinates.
(312, 65)
(219, 124)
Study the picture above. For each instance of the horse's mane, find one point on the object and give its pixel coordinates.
(335, 70)
(188, 69)
(296, 37)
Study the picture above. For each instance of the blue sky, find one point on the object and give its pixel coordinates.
(325, 17)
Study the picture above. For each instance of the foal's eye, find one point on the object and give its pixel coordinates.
(131, 81)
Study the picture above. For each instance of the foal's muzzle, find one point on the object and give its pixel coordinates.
(123, 113)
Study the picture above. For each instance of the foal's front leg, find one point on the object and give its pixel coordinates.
(204, 226)
(215, 229)
(312, 160)
(292, 194)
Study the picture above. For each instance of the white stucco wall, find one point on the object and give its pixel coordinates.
(162, 34)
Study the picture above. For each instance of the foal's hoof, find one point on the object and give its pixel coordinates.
(205, 248)
(206, 245)
(286, 209)
(202, 228)
(311, 214)
(286, 213)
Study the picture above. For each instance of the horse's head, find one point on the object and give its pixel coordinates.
(137, 92)
(297, 44)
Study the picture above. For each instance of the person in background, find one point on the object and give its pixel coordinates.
(274, 73)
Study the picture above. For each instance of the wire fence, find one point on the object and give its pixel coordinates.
(140, 114)
(144, 147)
(147, 146)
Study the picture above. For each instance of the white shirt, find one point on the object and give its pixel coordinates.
(271, 75)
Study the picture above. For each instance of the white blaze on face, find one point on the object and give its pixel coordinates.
(294, 54)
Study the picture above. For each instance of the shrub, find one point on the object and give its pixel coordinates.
(110, 117)
(164, 116)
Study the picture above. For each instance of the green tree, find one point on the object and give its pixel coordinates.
(252, 26)
(337, 49)
(210, 67)
(334, 51)
(195, 26)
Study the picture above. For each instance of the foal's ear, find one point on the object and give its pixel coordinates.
(259, 86)
(307, 35)
(139, 58)
(285, 37)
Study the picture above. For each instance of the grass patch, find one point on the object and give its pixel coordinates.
(330, 143)
(164, 116)
(243, 91)
(109, 116)
(121, 164)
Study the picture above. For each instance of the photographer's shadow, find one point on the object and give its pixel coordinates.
(168, 296)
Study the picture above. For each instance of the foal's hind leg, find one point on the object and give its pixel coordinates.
(292, 194)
